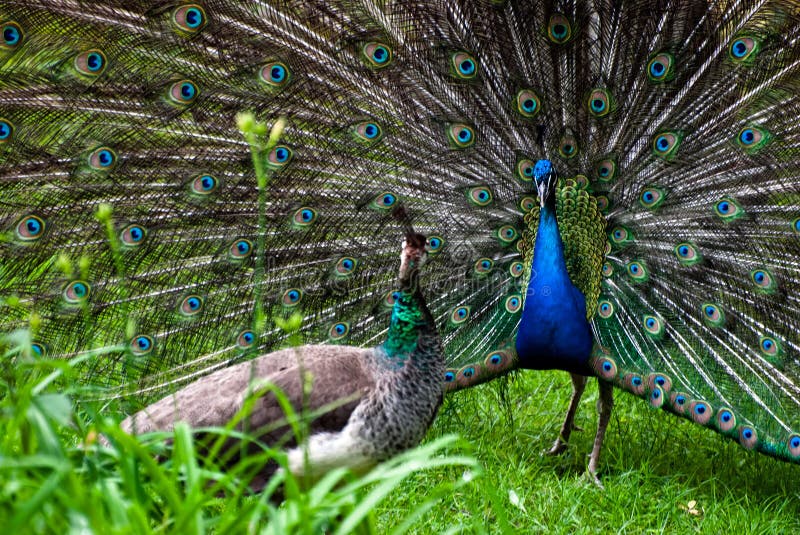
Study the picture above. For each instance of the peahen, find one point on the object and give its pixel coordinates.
(373, 402)
(608, 188)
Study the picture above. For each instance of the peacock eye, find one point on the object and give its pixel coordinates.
(461, 136)
(141, 345)
(279, 156)
(605, 368)
(752, 138)
(660, 68)
(516, 269)
(653, 325)
(132, 235)
(712, 314)
(769, 346)
(637, 271)
(728, 209)
(687, 254)
(651, 198)
(12, 35)
(527, 103)
(30, 228)
(345, 266)
(506, 234)
(90, 63)
(599, 103)
(39, 349)
(377, 55)
(568, 147)
(459, 315)
(189, 18)
(464, 65)
(605, 170)
(274, 74)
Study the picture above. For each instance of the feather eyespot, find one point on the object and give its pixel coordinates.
(605, 308)
(752, 138)
(748, 437)
(142, 345)
(666, 144)
(434, 245)
(599, 102)
(464, 65)
(700, 412)
(6, 131)
(712, 314)
(384, 202)
(189, 18)
(459, 315)
(794, 446)
(204, 185)
(605, 368)
(480, 196)
(450, 376)
(653, 326)
(559, 29)
(769, 346)
(102, 159)
(90, 63)
(497, 361)
(660, 67)
(513, 303)
(240, 249)
(637, 271)
(743, 49)
(292, 297)
(516, 269)
(12, 35)
(338, 330)
(367, 132)
(658, 380)
(507, 234)
(483, 266)
(279, 156)
(345, 266)
(796, 225)
(183, 93)
(725, 420)
(468, 375)
(390, 299)
(656, 398)
(568, 147)
(525, 169)
(607, 270)
(30, 228)
(245, 339)
(651, 198)
(621, 236)
(304, 217)
(133, 236)
(191, 305)
(76, 292)
(680, 402)
(763, 280)
(376, 55)
(39, 349)
(727, 209)
(633, 383)
(603, 204)
(527, 204)
(605, 170)
(687, 254)
(460, 136)
(275, 74)
(527, 103)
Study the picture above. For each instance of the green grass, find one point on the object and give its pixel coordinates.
(653, 465)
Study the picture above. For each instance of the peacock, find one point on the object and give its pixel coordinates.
(607, 188)
(374, 402)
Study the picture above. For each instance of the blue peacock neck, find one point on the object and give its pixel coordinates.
(553, 332)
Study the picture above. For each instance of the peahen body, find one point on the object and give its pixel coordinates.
(374, 402)
(656, 245)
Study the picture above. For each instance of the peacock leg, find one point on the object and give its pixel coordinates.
(605, 403)
(578, 386)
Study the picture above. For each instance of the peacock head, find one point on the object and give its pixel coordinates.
(546, 178)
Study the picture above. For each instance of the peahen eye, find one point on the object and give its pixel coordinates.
(660, 67)
(90, 63)
(559, 29)
(141, 345)
(527, 103)
(240, 249)
(274, 74)
(183, 93)
(76, 292)
(461, 136)
(377, 55)
(132, 236)
(464, 65)
(189, 18)
(30, 228)
(12, 35)
(204, 184)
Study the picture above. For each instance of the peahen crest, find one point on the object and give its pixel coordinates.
(672, 124)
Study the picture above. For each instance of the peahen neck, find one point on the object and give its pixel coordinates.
(553, 332)
(412, 331)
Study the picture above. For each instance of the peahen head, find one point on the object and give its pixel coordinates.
(546, 178)
(412, 257)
